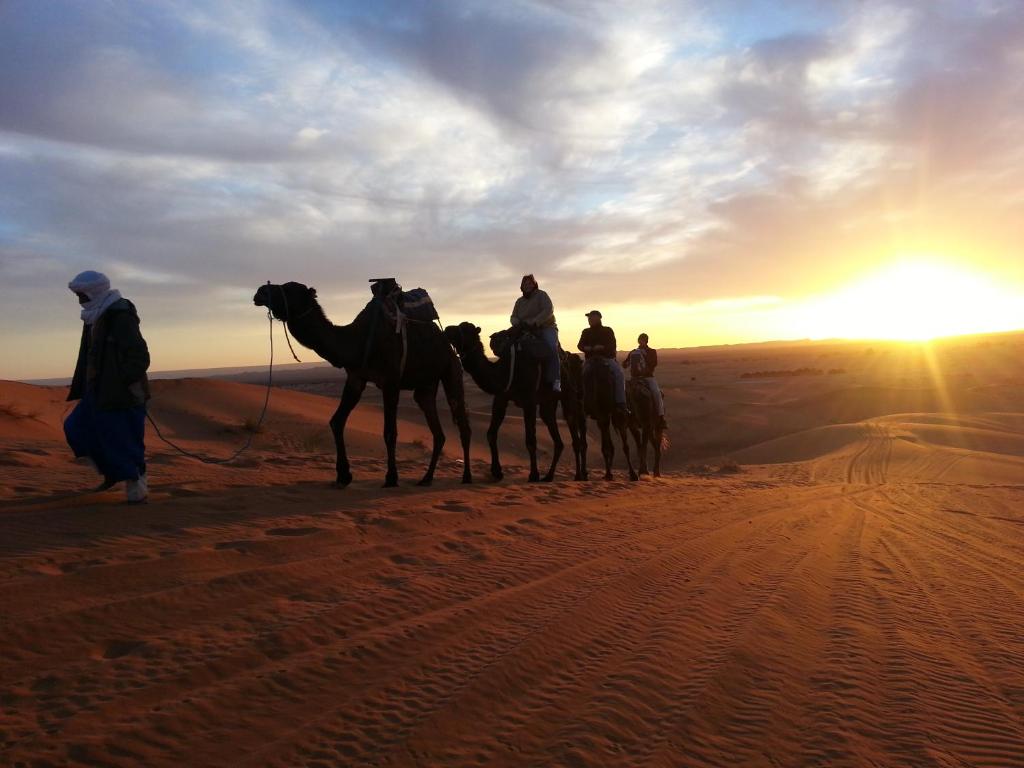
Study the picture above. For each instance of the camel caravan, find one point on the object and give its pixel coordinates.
(397, 343)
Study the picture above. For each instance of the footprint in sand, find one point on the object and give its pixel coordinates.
(242, 546)
(78, 565)
(115, 649)
(405, 560)
(292, 531)
(465, 548)
(165, 528)
(453, 506)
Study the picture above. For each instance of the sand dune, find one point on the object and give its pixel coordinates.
(909, 447)
(853, 597)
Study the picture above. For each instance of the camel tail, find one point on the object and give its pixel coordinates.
(455, 391)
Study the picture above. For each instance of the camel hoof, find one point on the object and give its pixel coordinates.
(425, 482)
(467, 479)
(534, 478)
(391, 482)
(343, 481)
(634, 476)
(497, 475)
(547, 478)
(608, 476)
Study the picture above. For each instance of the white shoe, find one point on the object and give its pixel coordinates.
(556, 387)
(137, 490)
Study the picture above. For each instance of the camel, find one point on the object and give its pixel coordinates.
(370, 351)
(644, 424)
(522, 386)
(600, 406)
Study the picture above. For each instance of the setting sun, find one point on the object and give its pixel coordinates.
(915, 300)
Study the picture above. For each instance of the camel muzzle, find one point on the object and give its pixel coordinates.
(262, 297)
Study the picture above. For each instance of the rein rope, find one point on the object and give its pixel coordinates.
(287, 317)
(255, 428)
(511, 368)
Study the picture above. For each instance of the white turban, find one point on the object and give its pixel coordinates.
(96, 286)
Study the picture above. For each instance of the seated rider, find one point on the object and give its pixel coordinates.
(641, 363)
(597, 343)
(534, 312)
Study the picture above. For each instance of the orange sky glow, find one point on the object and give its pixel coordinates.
(708, 173)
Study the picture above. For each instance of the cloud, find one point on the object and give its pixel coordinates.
(656, 152)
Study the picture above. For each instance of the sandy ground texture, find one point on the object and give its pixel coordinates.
(854, 595)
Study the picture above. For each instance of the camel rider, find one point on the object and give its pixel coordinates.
(534, 312)
(641, 363)
(597, 343)
(107, 426)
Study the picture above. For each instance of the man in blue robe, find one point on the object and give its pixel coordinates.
(107, 427)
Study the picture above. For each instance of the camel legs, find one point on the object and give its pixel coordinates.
(657, 435)
(640, 437)
(578, 433)
(530, 425)
(498, 408)
(426, 399)
(619, 423)
(607, 446)
(453, 392)
(549, 415)
(349, 398)
(391, 433)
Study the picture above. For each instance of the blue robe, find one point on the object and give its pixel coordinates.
(111, 438)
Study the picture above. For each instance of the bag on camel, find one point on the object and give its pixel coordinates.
(525, 342)
(501, 343)
(534, 347)
(417, 305)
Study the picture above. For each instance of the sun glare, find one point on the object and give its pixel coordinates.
(916, 300)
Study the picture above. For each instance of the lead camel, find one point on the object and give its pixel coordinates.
(371, 352)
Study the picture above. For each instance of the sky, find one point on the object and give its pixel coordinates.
(708, 172)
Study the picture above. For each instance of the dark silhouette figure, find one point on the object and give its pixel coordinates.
(604, 393)
(599, 402)
(371, 351)
(644, 424)
(522, 385)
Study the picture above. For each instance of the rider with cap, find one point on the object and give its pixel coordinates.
(641, 363)
(597, 343)
(534, 312)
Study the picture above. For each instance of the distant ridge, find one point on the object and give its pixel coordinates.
(257, 372)
(238, 373)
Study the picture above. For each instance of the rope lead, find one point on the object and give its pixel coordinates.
(255, 429)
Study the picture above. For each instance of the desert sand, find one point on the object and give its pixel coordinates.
(831, 572)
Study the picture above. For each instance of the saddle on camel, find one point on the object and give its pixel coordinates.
(527, 343)
(394, 344)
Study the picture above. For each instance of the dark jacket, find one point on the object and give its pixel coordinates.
(650, 362)
(112, 360)
(601, 335)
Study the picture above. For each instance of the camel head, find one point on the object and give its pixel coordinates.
(285, 301)
(464, 337)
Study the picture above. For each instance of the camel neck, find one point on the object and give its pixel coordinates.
(491, 377)
(337, 344)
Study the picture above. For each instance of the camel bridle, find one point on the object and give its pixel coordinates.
(286, 319)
